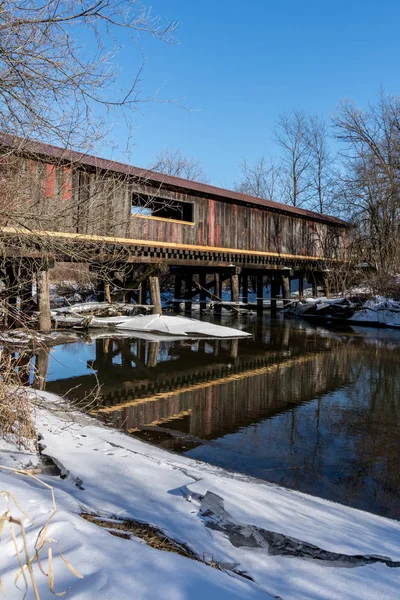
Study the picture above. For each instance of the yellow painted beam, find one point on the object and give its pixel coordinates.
(83, 237)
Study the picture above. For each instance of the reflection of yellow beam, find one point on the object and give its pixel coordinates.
(198, 386)
(83, 237)
(179, 415)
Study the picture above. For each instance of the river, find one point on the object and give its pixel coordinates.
(304, 406)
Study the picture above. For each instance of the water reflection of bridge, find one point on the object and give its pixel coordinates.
(207, 388)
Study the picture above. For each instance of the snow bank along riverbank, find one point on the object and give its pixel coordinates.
(267, 541)
(378, 311)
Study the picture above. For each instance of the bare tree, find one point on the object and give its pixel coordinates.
(259, 179)
(291, 134)
(321, 169)
(60, 82)
(371, 178)
(173, 162)
(59, 78)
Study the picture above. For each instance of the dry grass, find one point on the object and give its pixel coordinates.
(16, 421)
(43, 545)
(153, 536)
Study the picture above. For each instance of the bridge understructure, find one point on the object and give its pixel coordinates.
(131, 225)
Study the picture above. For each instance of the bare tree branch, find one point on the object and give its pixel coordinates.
(59, 77)
(371, 178)
(291, 134)
(173, 162)
(259, 179)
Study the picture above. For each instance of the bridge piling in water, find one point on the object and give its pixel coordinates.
(155, 296)
(235, 288)
(43, 292)
(301, 285)
(285, 289)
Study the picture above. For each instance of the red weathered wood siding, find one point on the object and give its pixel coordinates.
(76, 200)
(228, 225)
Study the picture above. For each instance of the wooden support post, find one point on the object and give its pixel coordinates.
(125, 294)
(177, 291)
(218, 285)
(108, 352)
(234, 350)
(126, 353)
(235, 288)
(25, 297)
(25, 293)
(274, 293)
(314, 287)
(140, 350)
(327, 286)
(301, 285)
(155, 297)
(203, 290)
(107, 293)
(44, 301)
(285, 335)
(188, 292)
(101, 291)
(285, 289)
(41, 367)
(142, 296)
(260, 291)
(245, 288)
(152, 354)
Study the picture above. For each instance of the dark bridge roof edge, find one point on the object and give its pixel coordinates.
(47, 150)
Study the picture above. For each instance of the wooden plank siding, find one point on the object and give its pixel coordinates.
(231, 226)
(72, 199)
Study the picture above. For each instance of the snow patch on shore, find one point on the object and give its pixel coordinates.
(379, 311)
(123, 477)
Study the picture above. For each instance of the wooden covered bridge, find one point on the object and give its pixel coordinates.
(61, 205)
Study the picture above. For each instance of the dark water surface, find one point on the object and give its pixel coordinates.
(306, 407)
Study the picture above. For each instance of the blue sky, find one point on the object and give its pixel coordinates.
(238, 65)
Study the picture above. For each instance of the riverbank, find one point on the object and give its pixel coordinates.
(376, 311)
(291, 545)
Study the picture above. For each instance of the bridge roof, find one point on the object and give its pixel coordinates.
(152, 177)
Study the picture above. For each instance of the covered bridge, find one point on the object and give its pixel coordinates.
(138, 216)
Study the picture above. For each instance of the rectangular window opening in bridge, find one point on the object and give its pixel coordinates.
(161, 208)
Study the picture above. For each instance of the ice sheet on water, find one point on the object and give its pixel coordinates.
(177, 326)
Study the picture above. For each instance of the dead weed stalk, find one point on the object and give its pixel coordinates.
(43, 542)
(16, 420)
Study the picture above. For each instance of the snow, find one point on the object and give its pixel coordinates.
(149, 324)
(113, 474)
(379, 310)
(20, 337)
(179, 326)
(84, 307)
